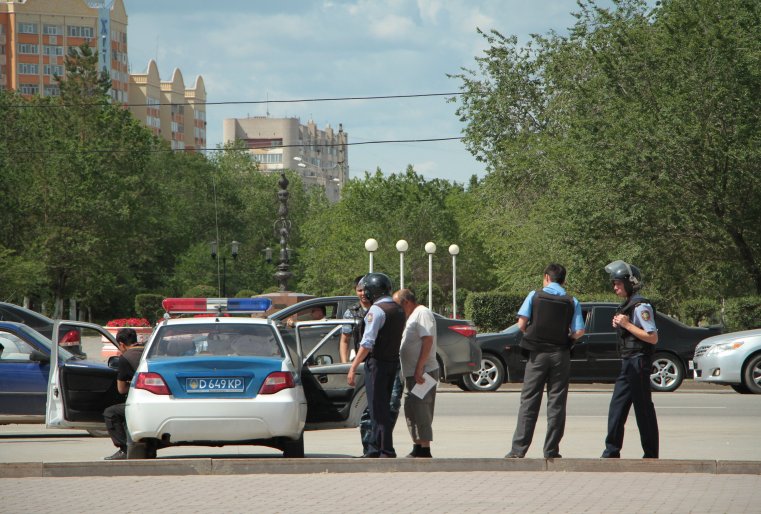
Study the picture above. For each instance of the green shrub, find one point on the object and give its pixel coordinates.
(246, 293)
(492, 312)
(201, 291)
(148, 306)
(700, 311)
(742, 313)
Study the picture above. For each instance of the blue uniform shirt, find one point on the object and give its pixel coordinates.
(374, 320)
(577, 323)
(643, 318)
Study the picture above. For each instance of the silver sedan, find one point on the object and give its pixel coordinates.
(732, 359)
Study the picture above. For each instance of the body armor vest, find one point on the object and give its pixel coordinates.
(551, 317)
(357, 331)
(628, 344)
(389, 338)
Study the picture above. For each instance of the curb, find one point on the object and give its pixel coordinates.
(181, 467)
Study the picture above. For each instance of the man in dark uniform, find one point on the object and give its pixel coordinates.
(379, 349)
(637, 336)
(550, 321)
(116, 422)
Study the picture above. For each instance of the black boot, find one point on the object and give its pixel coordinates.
(424, 452)
(415, 451)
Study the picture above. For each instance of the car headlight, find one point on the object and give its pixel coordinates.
(724, 347)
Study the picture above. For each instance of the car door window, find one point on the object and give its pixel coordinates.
(12, 348)
(602, 320)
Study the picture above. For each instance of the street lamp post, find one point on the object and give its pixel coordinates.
(453, 251)
(430, 249)
(371, 245)
(222, 279)
(402, 247)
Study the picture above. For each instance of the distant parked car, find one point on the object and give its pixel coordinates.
(457, 351)
(732, 359)
(595, 356)
(68, 337)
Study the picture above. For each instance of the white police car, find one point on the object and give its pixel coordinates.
(225, 379)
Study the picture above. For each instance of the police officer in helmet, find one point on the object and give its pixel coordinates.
(379, 349)
(634, 322)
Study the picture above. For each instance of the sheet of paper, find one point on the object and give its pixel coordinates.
(420, 390)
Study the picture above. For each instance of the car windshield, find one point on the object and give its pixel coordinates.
(219, 339)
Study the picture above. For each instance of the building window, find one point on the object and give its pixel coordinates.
(52, 50)
(77, 31)
(268, 158)
(178, 109)
(52, 91)
(51, 69)
(29, 89)
(200, 115)
(25, 68)
(27, 28)
(52, 30)
(26, 48)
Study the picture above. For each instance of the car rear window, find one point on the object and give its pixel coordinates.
(218, 339)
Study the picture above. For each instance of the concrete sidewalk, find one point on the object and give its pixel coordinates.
(433, 491)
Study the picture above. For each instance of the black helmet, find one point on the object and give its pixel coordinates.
(627, 273)
(375, 285)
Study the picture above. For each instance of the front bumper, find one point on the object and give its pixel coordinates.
(719, 368)
(282, 414)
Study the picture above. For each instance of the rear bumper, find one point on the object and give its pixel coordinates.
(282, 414)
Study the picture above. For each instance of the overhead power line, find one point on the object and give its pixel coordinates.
(246, 102)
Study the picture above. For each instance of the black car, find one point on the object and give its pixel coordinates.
(69, 337)
(595, 356)
(456, 347)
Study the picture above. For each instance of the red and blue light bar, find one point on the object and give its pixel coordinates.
(220, 305)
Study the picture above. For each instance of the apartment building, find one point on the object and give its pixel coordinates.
(169, 109)
(36, 35)
(320, 156)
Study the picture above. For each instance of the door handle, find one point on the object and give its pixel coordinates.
(323, 379)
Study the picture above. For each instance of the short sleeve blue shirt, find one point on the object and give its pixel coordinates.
(577, 323)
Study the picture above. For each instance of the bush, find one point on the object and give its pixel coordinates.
(148, 306)
(492, 312)
(700, 311)
(201, 291)
(742, 313)
(246, 293)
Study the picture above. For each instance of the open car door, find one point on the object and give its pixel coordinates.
(331, 401)
(80, 390)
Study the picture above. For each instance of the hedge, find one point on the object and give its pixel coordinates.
(742, 313)
(492, 312)
(148, 306)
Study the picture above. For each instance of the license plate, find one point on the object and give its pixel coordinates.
(214, 385)
(691, 364)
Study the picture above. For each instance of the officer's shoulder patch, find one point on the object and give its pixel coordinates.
(369, 317)
(645, 314)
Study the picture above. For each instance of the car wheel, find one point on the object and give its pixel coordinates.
(489, 378)
(294, 449)
(667, 373)
(752, 374)
(461, 384)
(740, 388)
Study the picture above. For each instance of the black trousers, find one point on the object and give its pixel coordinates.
(632, 388)
(116, 423)
(553, 370)
(379, 382)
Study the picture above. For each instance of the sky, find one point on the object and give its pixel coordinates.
(255, 50)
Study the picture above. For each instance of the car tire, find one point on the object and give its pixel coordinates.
(667, 372)
(461, 384)
(489, 378)
(740, 388)
(294, 449)
(752, 374)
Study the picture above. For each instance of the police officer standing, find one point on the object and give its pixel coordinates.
(550, 321)
(379, 349)
(637, 336)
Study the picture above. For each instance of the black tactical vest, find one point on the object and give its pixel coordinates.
(551, 317)
(628, 344)
(389, 338)
(357, 313)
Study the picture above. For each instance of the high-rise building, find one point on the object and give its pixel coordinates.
(320, 156)
(169, 109)
(36, 35)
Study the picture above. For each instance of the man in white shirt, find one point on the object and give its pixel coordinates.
(418, 358)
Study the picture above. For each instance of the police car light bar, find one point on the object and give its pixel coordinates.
(200, 305)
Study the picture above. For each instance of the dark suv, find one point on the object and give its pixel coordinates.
(456, 348)
(68, 337)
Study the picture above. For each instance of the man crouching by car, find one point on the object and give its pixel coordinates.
(116, 421)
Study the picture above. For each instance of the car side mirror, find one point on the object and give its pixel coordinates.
(38, 356)
(113, 362)
(323, 360)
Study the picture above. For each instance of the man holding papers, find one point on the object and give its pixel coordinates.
(420, 370)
